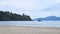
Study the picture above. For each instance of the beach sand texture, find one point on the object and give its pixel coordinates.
(29, 30)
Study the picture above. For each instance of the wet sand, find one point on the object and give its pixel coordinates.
(28, 30)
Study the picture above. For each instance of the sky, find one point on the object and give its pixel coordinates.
(33, 8)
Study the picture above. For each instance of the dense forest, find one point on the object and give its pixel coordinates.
(8, 16)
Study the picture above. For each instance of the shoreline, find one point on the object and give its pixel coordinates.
(28, 30)
(28, 26)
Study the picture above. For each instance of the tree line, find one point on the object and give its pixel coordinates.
(8, 16)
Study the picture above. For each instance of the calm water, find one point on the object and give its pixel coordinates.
(32, 23)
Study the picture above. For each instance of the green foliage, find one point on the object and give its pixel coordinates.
(7, 16)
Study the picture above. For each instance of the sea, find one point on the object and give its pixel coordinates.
(31, 23)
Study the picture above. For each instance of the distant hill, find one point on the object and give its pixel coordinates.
(51, 18)
(7, 16)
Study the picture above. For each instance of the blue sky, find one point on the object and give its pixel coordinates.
(34, 8)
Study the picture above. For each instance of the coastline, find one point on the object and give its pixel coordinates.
(28, 30)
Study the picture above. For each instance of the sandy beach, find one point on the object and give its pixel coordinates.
(28, 30)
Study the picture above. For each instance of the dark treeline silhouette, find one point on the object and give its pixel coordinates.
(7, 16)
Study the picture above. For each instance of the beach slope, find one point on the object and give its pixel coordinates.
(29, 30)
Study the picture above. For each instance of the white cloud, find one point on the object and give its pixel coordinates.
(18, 4)
(55, 7)
(29, 7)
(31, 4)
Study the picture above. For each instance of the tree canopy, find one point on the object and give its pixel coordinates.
(7, 16)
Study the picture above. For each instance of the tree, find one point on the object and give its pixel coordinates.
(7, 16)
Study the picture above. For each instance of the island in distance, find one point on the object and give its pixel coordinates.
(49, 18)
(7, 16)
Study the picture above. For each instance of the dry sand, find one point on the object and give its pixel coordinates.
(29, 30)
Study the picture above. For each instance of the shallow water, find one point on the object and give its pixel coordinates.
(31, 23)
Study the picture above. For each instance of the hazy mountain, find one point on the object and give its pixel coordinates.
(49, 18)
